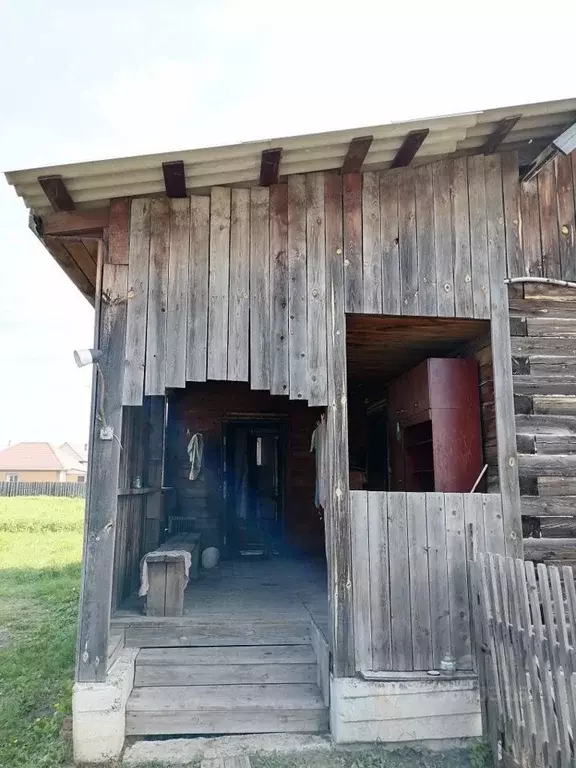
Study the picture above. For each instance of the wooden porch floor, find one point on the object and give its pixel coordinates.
(276, 591)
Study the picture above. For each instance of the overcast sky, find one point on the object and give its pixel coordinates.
(92, 80)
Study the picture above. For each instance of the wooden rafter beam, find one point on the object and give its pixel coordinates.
(356, 154)
(174, 178)
(91, 222)
(409, 148)
(270, 167)
(55, 190)
(499, 134)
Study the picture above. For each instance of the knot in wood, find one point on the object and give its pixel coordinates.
(447, 287)
(338, 251)
(468, 279)
(511, 461)
(346, 262)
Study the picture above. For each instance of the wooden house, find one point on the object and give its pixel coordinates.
(313, 361)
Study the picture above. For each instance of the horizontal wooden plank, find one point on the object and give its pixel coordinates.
(224, 674)
(524, 346)
(543, 550)
(74, 222)
(541, 308)
(551, 366)
(214, 634)
(534, 465)
(549, 291)
(253, 721)
(556, 486)
(555, 404)
(544, 385)
(242, 654)
(554, 444)
(544, 424)
(200, 698)
(549, 506)
(550, 326)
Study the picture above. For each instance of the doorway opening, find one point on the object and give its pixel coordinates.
(255, 476)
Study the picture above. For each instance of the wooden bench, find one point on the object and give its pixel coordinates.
(166, 579)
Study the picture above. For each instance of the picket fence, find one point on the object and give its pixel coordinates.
(525, 638)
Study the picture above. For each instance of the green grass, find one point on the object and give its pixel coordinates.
(40, 551)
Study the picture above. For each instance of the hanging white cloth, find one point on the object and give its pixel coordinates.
(195, 454)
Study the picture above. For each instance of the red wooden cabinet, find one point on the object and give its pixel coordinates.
(435, 441)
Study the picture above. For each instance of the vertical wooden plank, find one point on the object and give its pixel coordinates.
(540, 726)
(425, 226)
(197, 342)
(361, 581)
(566, 221)
(379, 555)
(316, 277)
(340, 576)
(560, 705)
(280, 378)
(239, 301)
(418, 579)
(494, 524)
(156, 342)
(502, 361)
(260, 288)
(218, 282)
(474, 517)
(443, 231)
(103, 469)
(548, 221)
(438, 565)
(119, 230)
(407, 246)
(478, 237)
(510, 191)
(542, 655)
(353, 281)
(390, 237)
(530, 228)
(400, 606)
(463, 299)
(297, 305)
(564, 650)
(371, 246)
(138, 302)
(458, 580)
(178, 291)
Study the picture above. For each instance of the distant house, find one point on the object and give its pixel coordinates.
(42, 463)
(78, 450)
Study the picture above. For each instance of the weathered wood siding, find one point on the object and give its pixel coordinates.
(242, 275)
(409, 562)
(543, 319)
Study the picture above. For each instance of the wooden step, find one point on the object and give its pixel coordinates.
(222, 709)
(231, 665)
(168, 634)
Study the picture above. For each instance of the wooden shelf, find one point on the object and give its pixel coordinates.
(137, 491)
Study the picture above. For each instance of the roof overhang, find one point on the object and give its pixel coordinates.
(94, 184)
(70, 204)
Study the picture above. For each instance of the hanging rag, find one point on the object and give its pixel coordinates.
(195, 454)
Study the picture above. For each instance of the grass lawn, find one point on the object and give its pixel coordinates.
(40, 552)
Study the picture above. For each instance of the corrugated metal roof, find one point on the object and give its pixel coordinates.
(94, 183)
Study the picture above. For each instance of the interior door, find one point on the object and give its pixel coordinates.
(255, 500)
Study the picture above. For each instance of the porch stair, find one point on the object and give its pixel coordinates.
(226, 690)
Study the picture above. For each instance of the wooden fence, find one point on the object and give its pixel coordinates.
(43, 489)
(410, 555)
(526, 638)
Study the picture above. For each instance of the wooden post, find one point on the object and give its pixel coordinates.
(502, 360)
(104, 460)
(339, 527)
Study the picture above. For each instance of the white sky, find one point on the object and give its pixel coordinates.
(92, 80)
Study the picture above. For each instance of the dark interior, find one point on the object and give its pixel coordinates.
(416, 425)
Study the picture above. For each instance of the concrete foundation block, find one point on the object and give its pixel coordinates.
(99, 712)
(418, 710)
